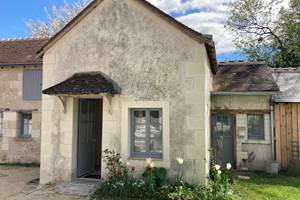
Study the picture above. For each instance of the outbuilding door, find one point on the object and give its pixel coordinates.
(89, 136)
(223, 138)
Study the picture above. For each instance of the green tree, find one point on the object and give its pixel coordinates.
(266, 30)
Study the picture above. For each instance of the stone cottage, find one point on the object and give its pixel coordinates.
(20, 101)
(125, 76)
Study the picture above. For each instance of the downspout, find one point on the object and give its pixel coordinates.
(272, 128)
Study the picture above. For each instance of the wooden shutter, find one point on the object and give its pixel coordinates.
(32, 84)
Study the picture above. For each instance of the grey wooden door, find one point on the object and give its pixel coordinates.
(223, 138)
(87, 130)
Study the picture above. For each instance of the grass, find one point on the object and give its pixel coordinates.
(264, 187)
(20, 164)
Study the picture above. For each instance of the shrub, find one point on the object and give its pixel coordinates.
(114, 164)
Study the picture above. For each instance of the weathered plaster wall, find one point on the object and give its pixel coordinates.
(240, 106)
(151, 61)
(12, 148)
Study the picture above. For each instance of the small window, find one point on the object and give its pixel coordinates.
(146, 133)
(255, 126)
(32, 85)
(1, 124)
(25, 124)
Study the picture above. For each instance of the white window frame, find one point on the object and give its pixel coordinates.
(164, 161)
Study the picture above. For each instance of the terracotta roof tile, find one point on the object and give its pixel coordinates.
(84, 83)
(20, 51)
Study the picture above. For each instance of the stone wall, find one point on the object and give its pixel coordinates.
(154, 63)
(240, 105)
(14, 149)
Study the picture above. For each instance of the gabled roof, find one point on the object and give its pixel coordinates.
(20, 52)
(84, 84)
(202, 38)
(244, 77)
(288, 80)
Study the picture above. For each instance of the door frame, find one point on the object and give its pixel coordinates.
(77, 129)
(233, 117)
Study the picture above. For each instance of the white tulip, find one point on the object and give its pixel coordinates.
(217, 167)
(219, 172)
(179, 160)
(148, 161)
(228, 166)
(151, 165)
(120, 160)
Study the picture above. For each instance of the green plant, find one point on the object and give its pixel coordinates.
(182, 192)
(114, 164)
(219, 183)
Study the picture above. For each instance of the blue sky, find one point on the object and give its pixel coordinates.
(198, 14)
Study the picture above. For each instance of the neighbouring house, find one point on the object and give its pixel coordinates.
(20, 101)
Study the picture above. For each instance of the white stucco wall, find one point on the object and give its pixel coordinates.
(240, 106)
(153, 62)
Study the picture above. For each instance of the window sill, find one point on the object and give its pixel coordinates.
(23, 139)
(144, 159)
(256, 141)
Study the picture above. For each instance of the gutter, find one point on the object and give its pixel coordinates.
(264, 93)
(273, 138)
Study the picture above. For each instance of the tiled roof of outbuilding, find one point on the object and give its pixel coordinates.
(244, 77)
(20, 51)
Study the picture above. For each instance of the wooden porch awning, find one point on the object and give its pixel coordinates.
(84, 84)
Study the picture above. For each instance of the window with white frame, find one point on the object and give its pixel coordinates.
(25, 124)
(146, 132)
(1, 124)
(255, 126)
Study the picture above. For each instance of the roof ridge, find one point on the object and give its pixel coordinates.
(286, 69)
(22, 39)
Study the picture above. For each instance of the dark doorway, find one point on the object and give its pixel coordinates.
(89, 138)
(223, 138)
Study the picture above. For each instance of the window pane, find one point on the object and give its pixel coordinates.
(156, 145)
(256, 126)
(140, 124)
(226, 125)
(26, 124)
(139, 146)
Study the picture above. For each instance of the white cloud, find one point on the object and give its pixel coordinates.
(209, 18)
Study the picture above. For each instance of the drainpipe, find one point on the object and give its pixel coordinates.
(272, 128)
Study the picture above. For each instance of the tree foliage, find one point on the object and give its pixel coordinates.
(266, 30)
(56, 19)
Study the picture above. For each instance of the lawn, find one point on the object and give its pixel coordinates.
(264, 187)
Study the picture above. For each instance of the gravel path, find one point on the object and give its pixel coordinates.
(14, 186)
